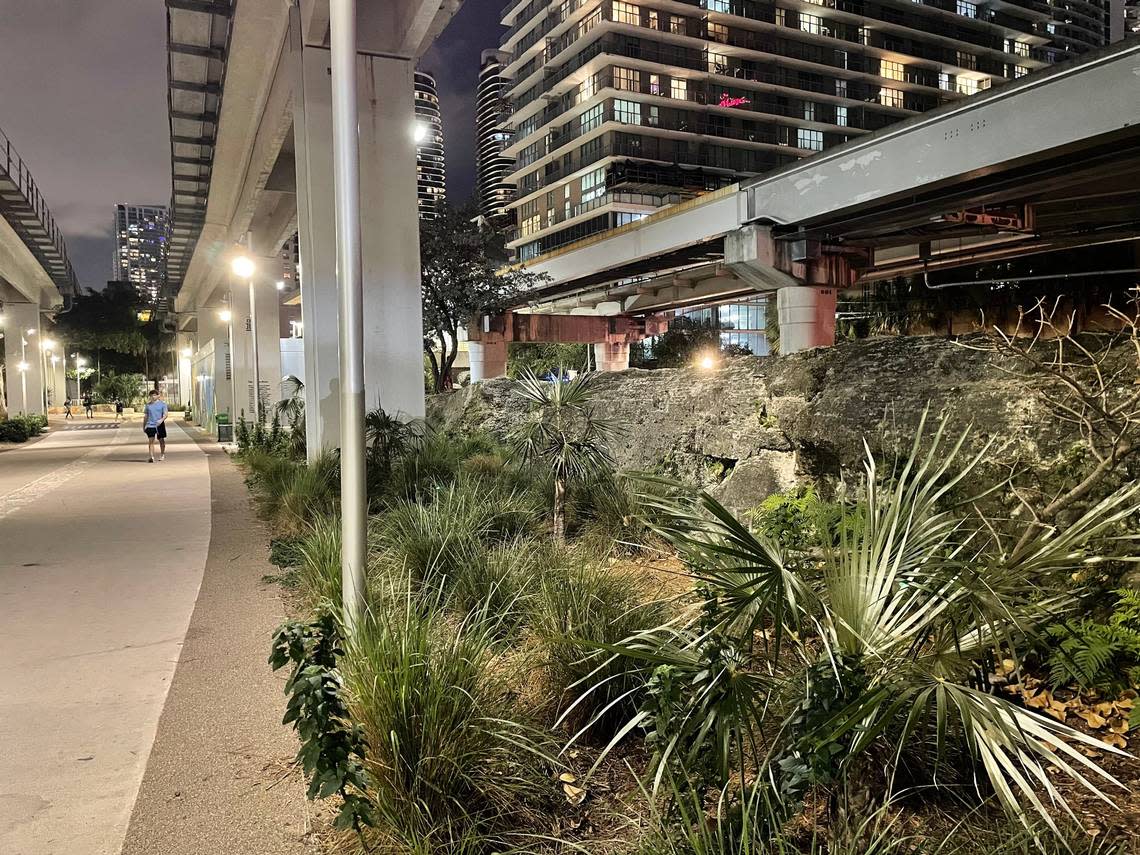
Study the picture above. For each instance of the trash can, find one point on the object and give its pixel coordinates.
(225, 429)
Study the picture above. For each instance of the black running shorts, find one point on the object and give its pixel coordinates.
(159, 431)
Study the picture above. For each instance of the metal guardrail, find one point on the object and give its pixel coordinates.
(26, 210)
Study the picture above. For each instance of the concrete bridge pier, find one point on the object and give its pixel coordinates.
(611, 355)
(24, 376)
(807, 317)
(488, 359)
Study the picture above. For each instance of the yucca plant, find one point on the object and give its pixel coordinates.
(562, 433)
(806, 679)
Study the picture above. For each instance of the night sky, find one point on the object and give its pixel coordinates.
(83, 99)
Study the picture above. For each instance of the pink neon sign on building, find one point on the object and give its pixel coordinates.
(727, 100)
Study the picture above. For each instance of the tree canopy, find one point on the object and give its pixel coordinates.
(463, 274)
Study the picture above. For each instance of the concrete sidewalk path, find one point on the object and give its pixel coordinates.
(220, 777)
(101, 556)
(137, 712)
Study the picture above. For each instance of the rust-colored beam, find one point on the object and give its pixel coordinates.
(564, 329)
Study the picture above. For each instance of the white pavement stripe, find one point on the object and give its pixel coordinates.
(43, 485)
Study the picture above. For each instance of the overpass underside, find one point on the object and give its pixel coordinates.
(1047, 164)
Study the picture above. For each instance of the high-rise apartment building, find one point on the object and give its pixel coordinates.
(140, 249)
(430, 180)
(1131, 17)
(492, 112)
(619, 108)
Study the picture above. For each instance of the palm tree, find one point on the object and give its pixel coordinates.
(879, 650)
(291, 408)
(563, 433)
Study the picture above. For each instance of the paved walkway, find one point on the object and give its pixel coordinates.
(102, 555)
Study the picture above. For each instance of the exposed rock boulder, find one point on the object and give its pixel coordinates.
(760, 424)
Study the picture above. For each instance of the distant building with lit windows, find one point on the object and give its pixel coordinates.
(492, 135)
(430, 173)
(140, 249)
(620, 108)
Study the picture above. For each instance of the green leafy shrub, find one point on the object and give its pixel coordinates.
(913, 592)
(14, 430)
(449, 765)
(1095, 655)
(794, 521)
(291, 494)
(333, 749)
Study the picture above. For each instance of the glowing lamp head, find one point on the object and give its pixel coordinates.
(21, 366)
(80, 361)
(280, 285)
(242, 266)
(47, 344)
(420, 132)
(187, 352)
(707, 362)
(225, 315)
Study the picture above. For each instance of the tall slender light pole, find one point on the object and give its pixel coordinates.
(346, 180)
(244, 268)
(227, 317)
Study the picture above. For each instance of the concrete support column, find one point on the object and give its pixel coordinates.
(807, 317)
(390, 237)
(242, 356)
(24, 388)
(393, 340)
(184, 354)
(611, 355)
(267, 303)
(488, 359)
(57, 379)
(215, 333)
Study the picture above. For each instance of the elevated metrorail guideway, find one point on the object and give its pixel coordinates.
(1048, 162)
(23, 208)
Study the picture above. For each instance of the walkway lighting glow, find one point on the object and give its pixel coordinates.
(22, 366)
(187, 352)
(707, 361)
(242, 266)
(31, 332)
(225, 315)
(280, 285)
(47, 344)
(419, 132)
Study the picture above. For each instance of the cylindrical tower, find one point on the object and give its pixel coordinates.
(430, 180)
(492, 109)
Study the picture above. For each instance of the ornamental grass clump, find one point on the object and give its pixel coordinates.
(870, 673)
(449, 765)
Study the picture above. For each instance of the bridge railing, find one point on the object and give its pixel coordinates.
(19, 174)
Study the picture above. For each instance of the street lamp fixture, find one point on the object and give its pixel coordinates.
(707, 362)
(225, 315)
(243, 266)
(47, 344)
(280, 284)
(187, 352)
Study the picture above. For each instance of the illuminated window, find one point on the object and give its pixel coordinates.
(677, 25)
(890, 97)
(1020, 71)
(841, 88)
(967, 86)
(587, 88)
(892, 70)
(654, 22)
(593, 185)
(531, 225)
(655, 84)
(591, 119)
(841, 116)
(718, 32)
(718, 6)
(809, 111)
(678, 89)
(623, 218)
(628, 112)
(967, 60)
(626, 13)
(809, 139)
(811, 24)
(944, 81)
(626, 79)
(781, 17)
(967, 9)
